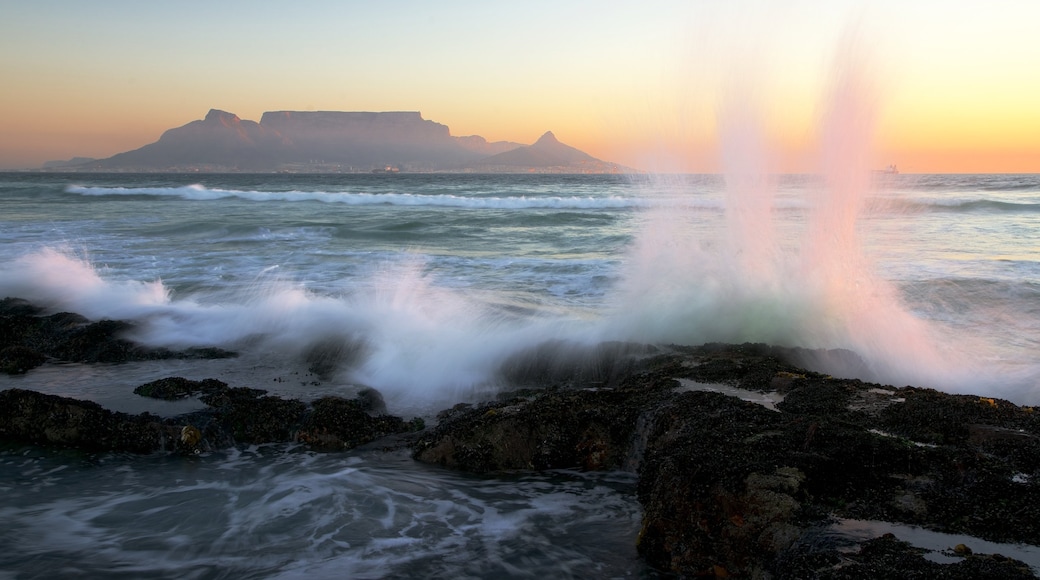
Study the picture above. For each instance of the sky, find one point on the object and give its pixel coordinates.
(951, 86)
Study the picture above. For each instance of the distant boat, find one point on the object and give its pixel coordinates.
(890, 170)
(387, 169)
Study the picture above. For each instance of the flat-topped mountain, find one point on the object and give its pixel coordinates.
(337, 141)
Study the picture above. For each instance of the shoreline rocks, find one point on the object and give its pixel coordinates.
(237, 416)
(729, 487)
(732, 488)
(28, 337)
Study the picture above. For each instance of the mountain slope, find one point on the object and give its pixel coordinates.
(337, 141)
(547, 154)
(221, 139)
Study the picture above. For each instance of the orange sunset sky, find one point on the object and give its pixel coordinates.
(956, 85)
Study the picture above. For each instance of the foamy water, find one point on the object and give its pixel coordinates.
(931, 279)
(273, 513)
(423, 294)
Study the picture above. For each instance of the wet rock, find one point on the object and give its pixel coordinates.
(729, 487)
(31, 417)
(371, 401)
(251, 416)
(747, 366)
(335, 423)
(71, 337)
(237, 416)
(589, 429)
(173, 388)
(889, 557)
(560, 361)
(18, 307)
(17, 359)
(325, 356)
(716, 488)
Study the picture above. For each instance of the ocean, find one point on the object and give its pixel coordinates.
(422, 286)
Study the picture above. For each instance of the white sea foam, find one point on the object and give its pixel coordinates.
(200, 193)
(56, 278)
(295, 515)
(421, 344)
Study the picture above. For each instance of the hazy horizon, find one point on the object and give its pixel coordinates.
(952, 85)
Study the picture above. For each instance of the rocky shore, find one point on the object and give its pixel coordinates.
(749, 466)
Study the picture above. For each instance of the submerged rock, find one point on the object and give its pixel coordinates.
(585, 429)
(28, 338)
(17, 359)
(889, 557)
(37, 418)
(335, 423)
(237, 416)
(172, 388)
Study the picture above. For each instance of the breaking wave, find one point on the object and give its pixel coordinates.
(201, 193)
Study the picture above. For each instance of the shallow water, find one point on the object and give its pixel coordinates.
(275, 512)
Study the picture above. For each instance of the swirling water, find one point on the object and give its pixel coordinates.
(426, 284)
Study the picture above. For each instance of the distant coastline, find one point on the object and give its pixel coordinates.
(336, 142)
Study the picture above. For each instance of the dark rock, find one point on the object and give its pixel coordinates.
(372, 401)
(172, 388)
(335, 423)
(238, 416)
(326, 355)
(71, 337)
(18, 307)
(253, 417)
(17, 359)
(574, 363)
(716, 488)
(889, 557)
(729, 487)
(31, 417)
(587, 428)
(815, 397)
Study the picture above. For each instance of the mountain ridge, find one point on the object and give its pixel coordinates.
(339, 142)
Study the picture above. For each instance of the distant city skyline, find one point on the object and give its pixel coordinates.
(952, 85)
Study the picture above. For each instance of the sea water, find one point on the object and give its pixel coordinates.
(422, 286)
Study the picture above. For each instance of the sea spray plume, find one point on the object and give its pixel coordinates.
(418, 343)
(431, 345)
(750, 188)
(57, 279)
(854, 307)
(749, 283)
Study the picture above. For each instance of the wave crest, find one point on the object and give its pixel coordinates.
(200, 193)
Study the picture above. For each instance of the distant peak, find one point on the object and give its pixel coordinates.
(216, 115)
(546, 139)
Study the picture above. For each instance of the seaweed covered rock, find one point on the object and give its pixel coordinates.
(252, 416)
(888, 557)
(173, 388)
(31, 417)
(717, 492)
(17, 359)
(237, 416)
(28, 336)
(732, 488)
(335, 423)
(588, 429)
